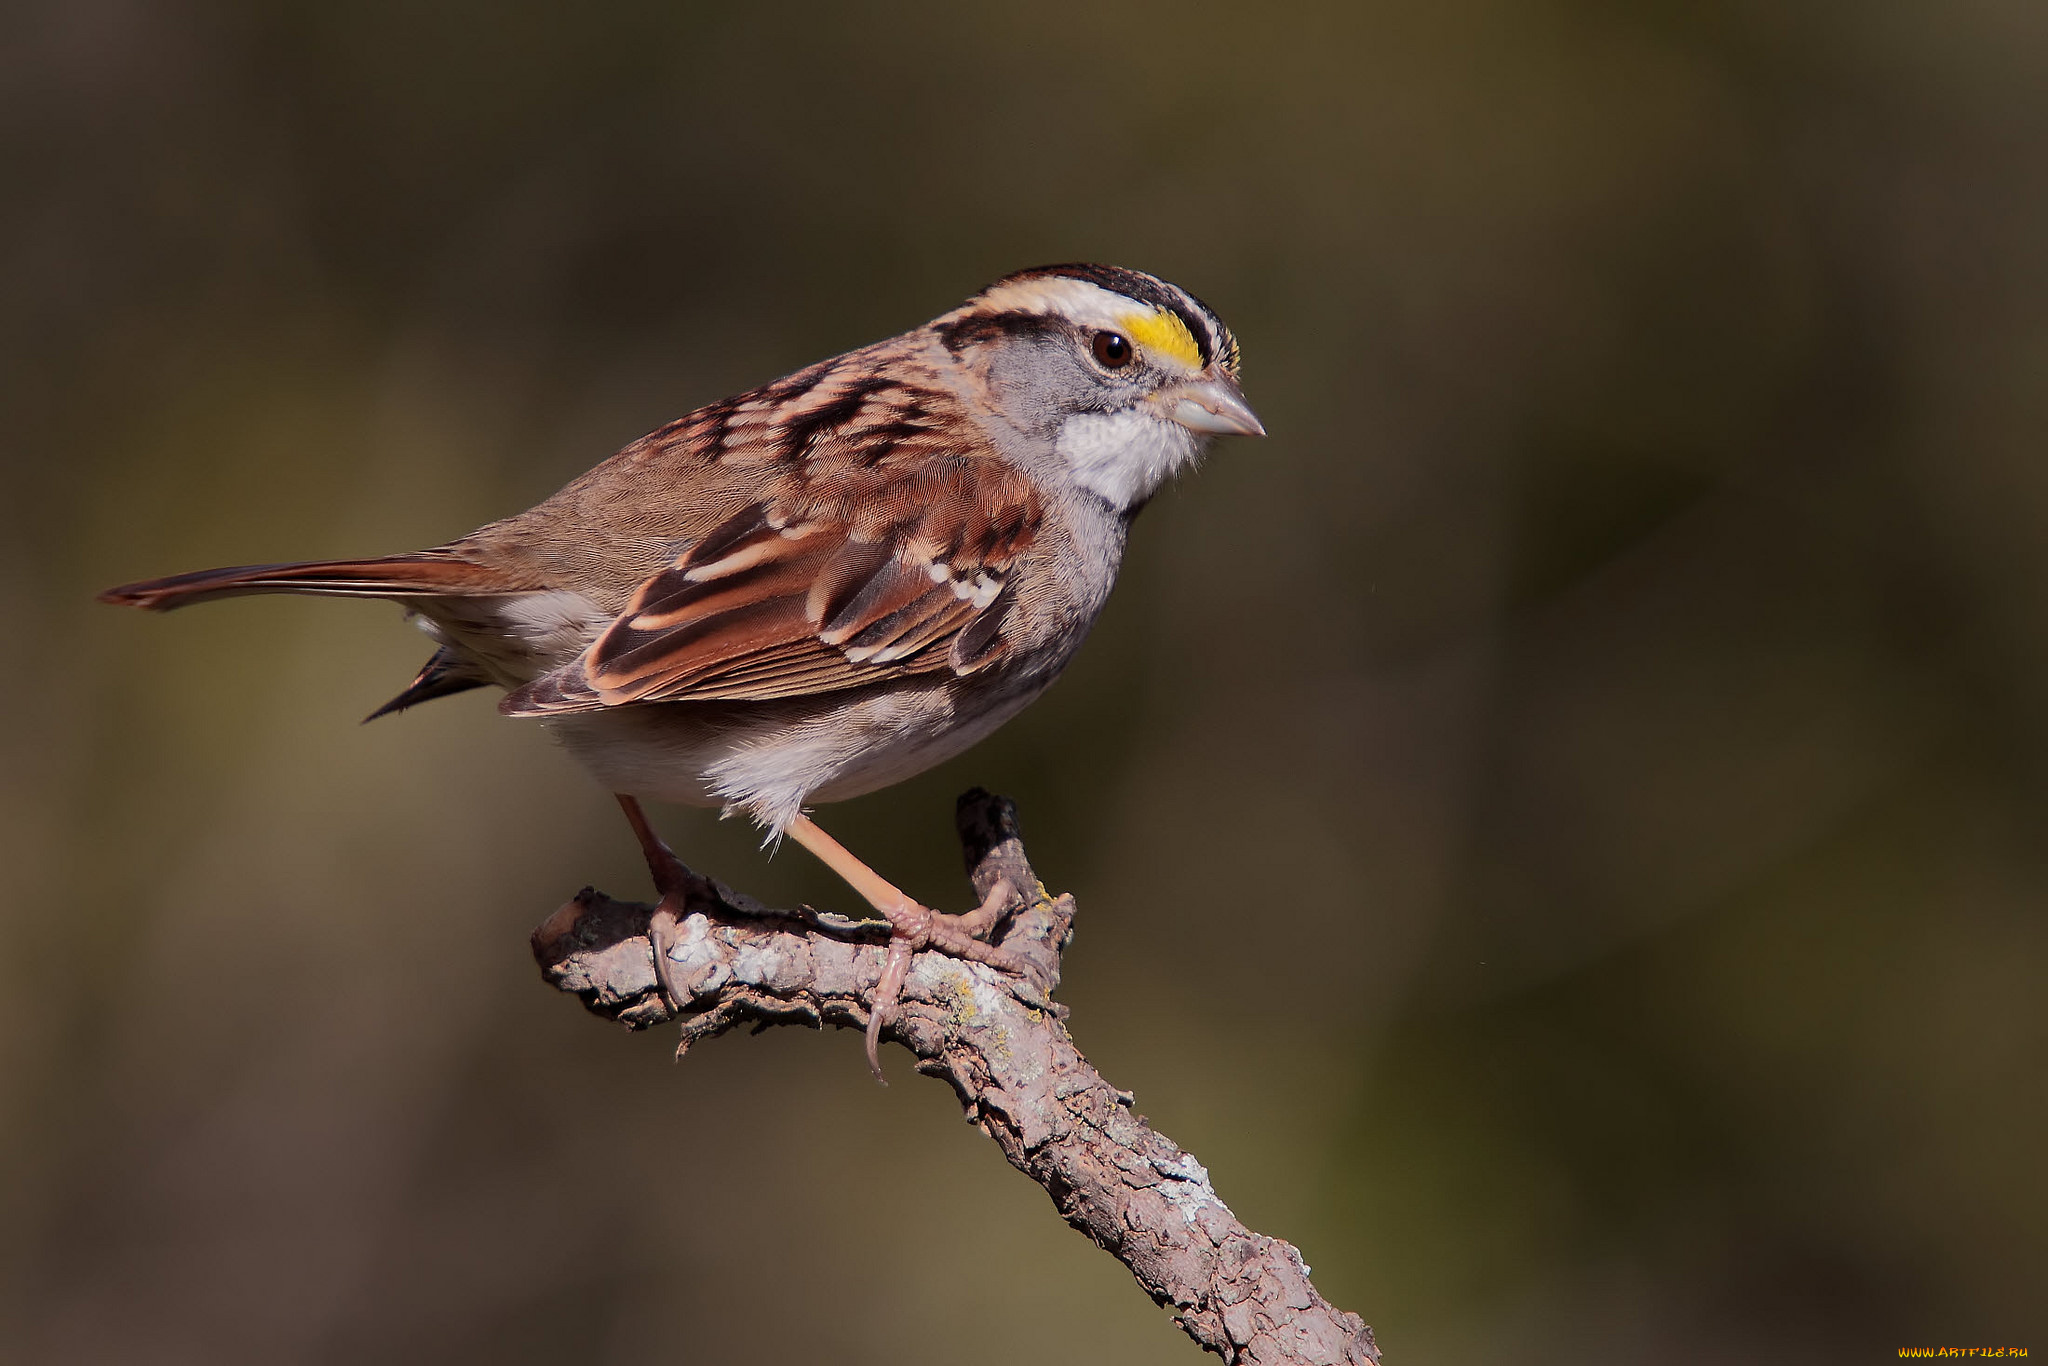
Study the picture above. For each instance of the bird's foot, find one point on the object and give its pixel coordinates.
(913, 928)
(680, 888)
(682, 891)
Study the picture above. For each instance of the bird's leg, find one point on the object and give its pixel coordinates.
(676, 884)
(911, 927)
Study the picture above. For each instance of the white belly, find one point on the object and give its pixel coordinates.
(768, 759)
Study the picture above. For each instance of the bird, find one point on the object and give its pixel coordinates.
(828, 584)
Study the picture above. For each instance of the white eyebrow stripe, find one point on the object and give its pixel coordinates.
(1084, 303)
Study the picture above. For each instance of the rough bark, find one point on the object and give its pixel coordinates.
(1001, 1044)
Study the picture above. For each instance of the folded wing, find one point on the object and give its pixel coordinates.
(902, 568)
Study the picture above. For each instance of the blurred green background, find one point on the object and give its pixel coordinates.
(1558, 826)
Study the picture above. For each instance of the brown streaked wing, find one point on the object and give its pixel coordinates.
(832, 585)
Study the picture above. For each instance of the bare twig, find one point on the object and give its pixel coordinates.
(1000, 1042)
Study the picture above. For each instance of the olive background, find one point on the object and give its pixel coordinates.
(1558, 825)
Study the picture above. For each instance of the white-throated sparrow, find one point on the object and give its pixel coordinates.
(830, 583)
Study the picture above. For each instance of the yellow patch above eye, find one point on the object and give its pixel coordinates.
(1163, 333)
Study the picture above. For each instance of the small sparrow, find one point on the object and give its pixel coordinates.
(831, 583)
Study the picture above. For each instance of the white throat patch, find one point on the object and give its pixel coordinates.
(1124, 457)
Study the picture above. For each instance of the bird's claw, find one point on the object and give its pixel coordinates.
(914, 928)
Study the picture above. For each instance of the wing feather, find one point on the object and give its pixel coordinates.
(888, 557)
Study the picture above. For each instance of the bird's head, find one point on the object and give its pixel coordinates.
(1126, 376)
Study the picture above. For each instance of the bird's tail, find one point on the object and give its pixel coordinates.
(394, 576)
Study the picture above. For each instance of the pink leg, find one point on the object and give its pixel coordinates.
(676, 883)
(911, 927)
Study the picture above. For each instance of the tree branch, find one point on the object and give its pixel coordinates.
(1000, 1043)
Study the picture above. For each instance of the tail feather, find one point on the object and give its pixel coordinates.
(394, 576)
(446, 674)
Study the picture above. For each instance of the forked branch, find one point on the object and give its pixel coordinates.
(1002, 1046)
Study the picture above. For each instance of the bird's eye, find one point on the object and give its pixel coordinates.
(1112, 352)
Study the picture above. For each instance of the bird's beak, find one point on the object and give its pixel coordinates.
(1214, 406)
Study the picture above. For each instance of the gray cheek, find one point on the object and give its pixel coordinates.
(1041, 385)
